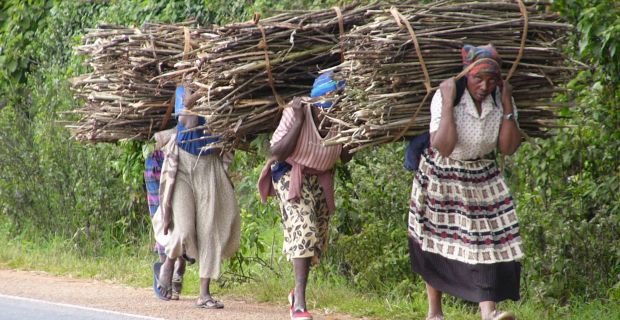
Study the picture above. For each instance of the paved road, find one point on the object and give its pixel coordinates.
(18, 308)
(38, 295)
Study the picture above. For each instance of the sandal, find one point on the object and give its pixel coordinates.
(435, 317)
(209, 304)
(162, 290)
(301, 314)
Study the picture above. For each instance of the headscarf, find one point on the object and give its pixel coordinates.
(484, 59)
(324, 84)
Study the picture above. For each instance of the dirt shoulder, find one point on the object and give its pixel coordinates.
(139, 301)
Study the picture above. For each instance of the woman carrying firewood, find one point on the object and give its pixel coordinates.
(202, 214)
(301, 174)
(463, 229)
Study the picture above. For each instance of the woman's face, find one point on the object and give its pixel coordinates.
(481, 84)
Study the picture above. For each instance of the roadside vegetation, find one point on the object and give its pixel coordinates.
(80, 210)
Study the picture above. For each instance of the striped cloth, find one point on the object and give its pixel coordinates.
(309, 157)
(485, 59)
(310, 151)
(152, 174)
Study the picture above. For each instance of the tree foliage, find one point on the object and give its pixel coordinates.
(568, 187)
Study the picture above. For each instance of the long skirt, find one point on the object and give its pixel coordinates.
(463, 229)
(305, 222)
(205, 213)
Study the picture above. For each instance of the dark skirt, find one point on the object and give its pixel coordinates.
(463, 229)
(471, 282)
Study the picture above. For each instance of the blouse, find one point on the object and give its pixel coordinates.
(477, 134)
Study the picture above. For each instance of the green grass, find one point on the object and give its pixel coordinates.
(131, 266)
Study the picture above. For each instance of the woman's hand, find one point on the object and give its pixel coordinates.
(448, 91)
(346, 155)
(167, 222)
(188, 120)
(298, 109)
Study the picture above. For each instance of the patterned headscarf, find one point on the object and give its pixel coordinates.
(484, 59)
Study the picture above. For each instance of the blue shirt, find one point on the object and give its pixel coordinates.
(183, 137)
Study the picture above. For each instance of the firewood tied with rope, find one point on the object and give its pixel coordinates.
(244, 78)
(389, 68)
(120, 100)
(243, 73)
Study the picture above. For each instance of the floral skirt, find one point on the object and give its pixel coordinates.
(463, 229)
(305, 222)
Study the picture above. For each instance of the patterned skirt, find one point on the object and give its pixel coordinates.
(463, 229)
(305, 222)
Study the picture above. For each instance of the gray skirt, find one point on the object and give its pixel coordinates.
(205, 213)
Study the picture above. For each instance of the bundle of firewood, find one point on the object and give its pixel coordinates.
(242, 74)
(245, 76)
(121, 101)
(390, 83)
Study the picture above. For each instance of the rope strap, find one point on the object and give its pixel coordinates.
(400, 19)
(164, 123)
(341, 29)
(472, 65)
(263, 45)
(523, 10)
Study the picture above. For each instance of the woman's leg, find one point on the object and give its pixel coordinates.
(177, 278)
(301, 266)
(486, 309)
(165, 276)
(205, 289)
(179, 267)
(434, 301)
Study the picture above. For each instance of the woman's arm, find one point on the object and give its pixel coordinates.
(189, 121)
(444, 139)
(509, 135)
(185, 118)
(285, 146)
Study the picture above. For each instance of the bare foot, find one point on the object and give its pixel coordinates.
(177, 278)
(165, 277)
